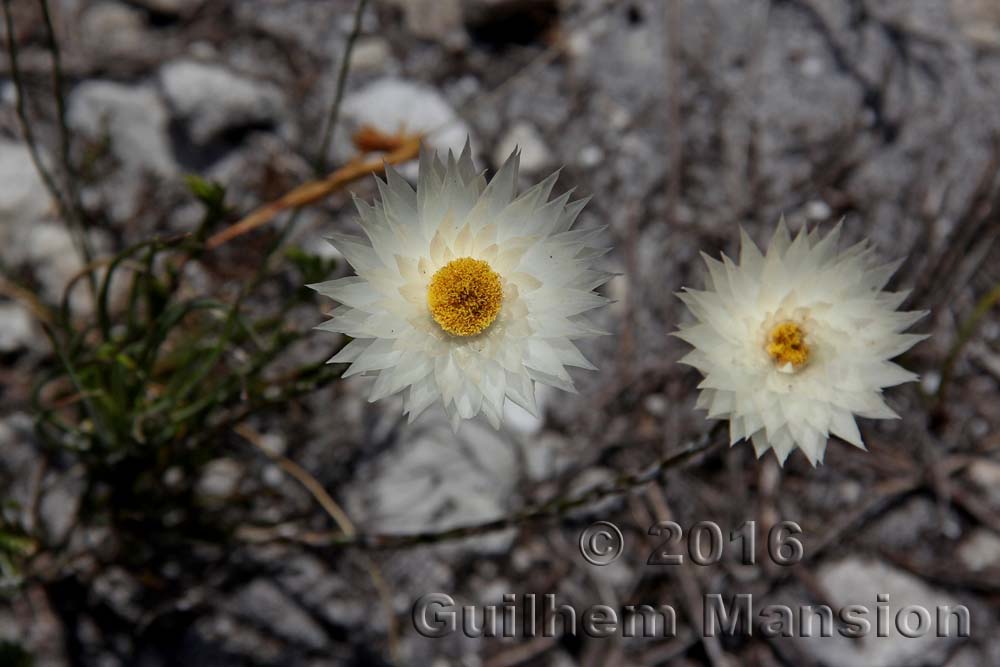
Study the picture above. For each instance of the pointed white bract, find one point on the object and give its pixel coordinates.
(796, 342)
(544, 266)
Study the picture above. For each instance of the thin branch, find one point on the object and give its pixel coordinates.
(624, 483)
(22, 111)
(27, 299)
(338, 96)
(303, 477)
(57, 91)
(965, 332)
(343, 521)
(66, 208)
(70, 174)
(308, 193)
(674, 117)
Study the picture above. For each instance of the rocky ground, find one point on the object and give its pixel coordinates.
(682, 119)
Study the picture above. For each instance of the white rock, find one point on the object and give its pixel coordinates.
(518, 420)
(986, 475)
(818, 210)
(930, 381)
(370, 53)
(134, 119)
(579, 44)
(437, 480)
(23, 197)
(547, 455)
(60, 504)
(390, 104)
(16, 330)
(213, 98)
(534, 153)
(273, 443)
(49, 248)
(812, 67)
(273, 475)
(219, 479)
(590, 156)
(857, 581)
(980, 550)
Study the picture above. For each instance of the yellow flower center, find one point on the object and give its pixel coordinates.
(787, 345)
(464, 296)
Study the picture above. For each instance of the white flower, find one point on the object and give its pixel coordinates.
(464, 293)
(796, 342)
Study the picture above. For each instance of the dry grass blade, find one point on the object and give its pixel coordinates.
(404, 148)
(303, 477)
(27, 299)
(344, 523)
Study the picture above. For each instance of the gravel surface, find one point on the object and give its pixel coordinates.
(682, 119)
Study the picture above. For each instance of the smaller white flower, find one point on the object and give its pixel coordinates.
(796, 342)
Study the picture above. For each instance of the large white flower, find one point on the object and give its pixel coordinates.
(795, 342)
(465, 293)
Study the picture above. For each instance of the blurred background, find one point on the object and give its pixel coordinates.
(185, 482)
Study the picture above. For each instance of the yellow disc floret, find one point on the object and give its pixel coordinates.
(464, 296)
(787, 345)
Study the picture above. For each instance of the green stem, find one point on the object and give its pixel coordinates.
(345, 63)
(965, 332)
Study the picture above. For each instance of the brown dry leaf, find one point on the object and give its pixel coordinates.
(401, 149)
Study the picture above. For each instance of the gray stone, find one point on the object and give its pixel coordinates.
(212, 98)
(20, 466)
(535, 155)
(23, 197)
(111, 30)
(59, 504)
(857, 581)
(980, 550)
(318, 27)
(133, 118)
(341, 601)
(264, 603)
(968, 657)
(120, 591)
(16, 328)
(979, 20)
(439, 20)
(48, 247)
(240, 639)
(986, 475)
